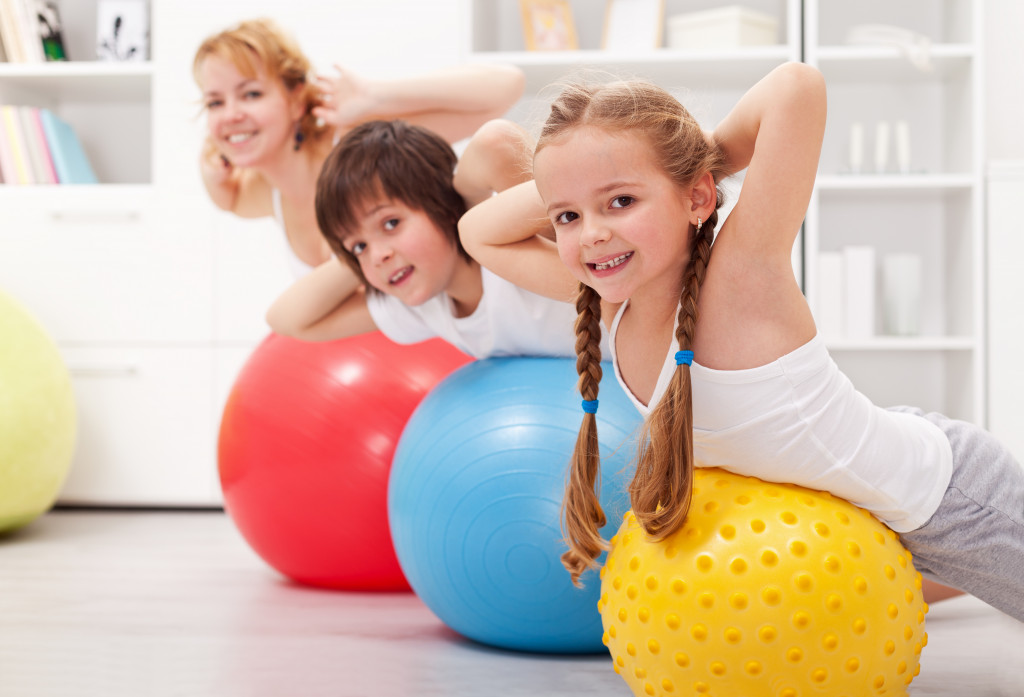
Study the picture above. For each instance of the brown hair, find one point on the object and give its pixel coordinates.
(387, 159)
(261, 42)
(662, 485)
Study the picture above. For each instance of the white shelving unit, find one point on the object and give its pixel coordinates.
(935, 210)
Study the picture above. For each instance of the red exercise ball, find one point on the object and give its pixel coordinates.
(305, 448)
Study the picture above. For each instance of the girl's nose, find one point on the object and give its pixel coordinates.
(594, 232)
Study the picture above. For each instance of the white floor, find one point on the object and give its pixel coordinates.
(163, 603)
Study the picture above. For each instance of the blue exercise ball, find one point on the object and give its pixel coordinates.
(475, 495)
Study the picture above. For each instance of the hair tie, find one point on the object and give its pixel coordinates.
(684, 357)
(590, 406)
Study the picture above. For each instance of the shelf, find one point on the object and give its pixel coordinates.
(904, 344)
(890, 64)
(735, 67)
(894, 183)
(83, 81)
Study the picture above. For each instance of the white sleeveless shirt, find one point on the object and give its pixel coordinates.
(799, 420)
(298, 267)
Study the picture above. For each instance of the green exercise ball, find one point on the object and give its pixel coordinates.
(37, 417)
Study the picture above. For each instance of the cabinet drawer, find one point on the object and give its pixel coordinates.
(146, 427)
(107, 263)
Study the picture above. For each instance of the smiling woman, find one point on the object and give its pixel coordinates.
(272, 122)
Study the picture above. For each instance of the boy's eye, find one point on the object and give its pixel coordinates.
(357, 248)
(622, 201)
(391, 223)
(565, 218)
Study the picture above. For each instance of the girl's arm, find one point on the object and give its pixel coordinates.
(328, 303)
(453, 102)
(510, 234)
(497, 158)
(775, 132)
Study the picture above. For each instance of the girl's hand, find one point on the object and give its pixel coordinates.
(215, 168)
(345, 98)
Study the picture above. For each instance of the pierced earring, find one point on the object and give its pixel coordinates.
(700, 224)
(299, 137)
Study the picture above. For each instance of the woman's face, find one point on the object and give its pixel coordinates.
(250, 119)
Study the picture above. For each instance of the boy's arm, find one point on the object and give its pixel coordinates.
(328, 303)
(497, 158)
(510, 235)
(452, 102)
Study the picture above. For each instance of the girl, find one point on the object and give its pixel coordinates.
(271, 126)
(389, 205)
(629, 182)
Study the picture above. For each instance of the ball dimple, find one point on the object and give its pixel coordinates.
(794, 655)
(678, 586)
(651, 583)
(798, 548)
(767, 634)
(822, 529)
(643, 614)
(757, 526)
(853, 549)
(738, 601)
(738, 566)
(727, 532)
(705, 563)
(788, 517)
(654, 647)
(667, 685)
(771, 595)
(706, 600)
(699, 632)
(733, 635)
(634, 563)
(718, 669)
(769, 558)
(672, 622)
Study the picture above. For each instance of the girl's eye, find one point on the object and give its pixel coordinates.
(622, 201)
(391, 224)
(565, 218)
(358, 248)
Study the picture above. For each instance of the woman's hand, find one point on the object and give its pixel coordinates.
(213, 165)
(345, 99)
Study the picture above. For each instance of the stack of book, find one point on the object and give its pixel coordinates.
(37, 147)
(30, 32)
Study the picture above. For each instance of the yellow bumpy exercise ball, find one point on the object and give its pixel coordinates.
(768, 590)
(37, 418)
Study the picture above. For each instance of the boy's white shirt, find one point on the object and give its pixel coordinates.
(508, 321)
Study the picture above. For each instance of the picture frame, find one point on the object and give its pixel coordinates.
(633, 25)
(548, 25)
(122, 30)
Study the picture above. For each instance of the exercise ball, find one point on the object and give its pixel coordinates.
(768, 590)
(475, 501)
(305, 448)
(37, 417)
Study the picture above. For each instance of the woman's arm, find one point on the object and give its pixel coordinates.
(240, 191)
(775, 132)
(453, 102)
(497, 158)
(328, 303)
(510, 235)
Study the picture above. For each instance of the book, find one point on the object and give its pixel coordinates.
(28, 28)
(39, 152)
(69, 159)
(859, 295)
(9, 32)
(6, 159)
(12, 127)
(831, 298)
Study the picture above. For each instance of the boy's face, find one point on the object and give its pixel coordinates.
(401, 251)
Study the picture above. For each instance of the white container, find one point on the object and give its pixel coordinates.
(724, 27)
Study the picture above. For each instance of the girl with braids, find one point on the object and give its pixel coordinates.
(272, 123)
(711, 337)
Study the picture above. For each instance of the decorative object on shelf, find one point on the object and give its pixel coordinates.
(901, 289)
(859, 295)
(633, 25)
(903, 147)
(882, 147)
(722, 28)
(856, 147)
(916, 47)
(122, 30)
(50, 30)
(548, 25)
(829, 309)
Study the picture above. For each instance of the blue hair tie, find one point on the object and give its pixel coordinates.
(590, 406)
(684, 357)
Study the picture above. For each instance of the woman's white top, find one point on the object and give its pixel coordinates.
(799, 420)
(508, 321)
(298, 267)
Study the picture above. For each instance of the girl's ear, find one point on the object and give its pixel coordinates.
(704, 196)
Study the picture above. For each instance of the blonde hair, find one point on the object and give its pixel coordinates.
(661, 488)
(261, 42)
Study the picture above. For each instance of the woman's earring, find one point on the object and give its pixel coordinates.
(299, 137)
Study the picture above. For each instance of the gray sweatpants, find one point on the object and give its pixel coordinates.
(975, 540)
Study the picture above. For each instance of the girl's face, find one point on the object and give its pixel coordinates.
(622, 226)
(402, 252)
(249, 119)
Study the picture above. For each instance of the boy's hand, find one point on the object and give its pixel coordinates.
(345, 98)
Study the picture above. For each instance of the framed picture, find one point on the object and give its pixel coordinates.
(548, 25)
(122, 30)
(632, 25)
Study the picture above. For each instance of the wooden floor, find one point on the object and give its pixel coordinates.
(162, 603)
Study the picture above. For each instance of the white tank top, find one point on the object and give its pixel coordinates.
(799, 420)
(298, 267)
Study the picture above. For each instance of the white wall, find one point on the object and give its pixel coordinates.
(1004, 106)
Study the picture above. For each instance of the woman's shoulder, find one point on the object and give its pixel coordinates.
(255, 196)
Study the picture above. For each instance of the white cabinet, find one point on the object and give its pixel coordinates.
(924, 71)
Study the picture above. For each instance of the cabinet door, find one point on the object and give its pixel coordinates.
(146, 427)
(107, 264)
